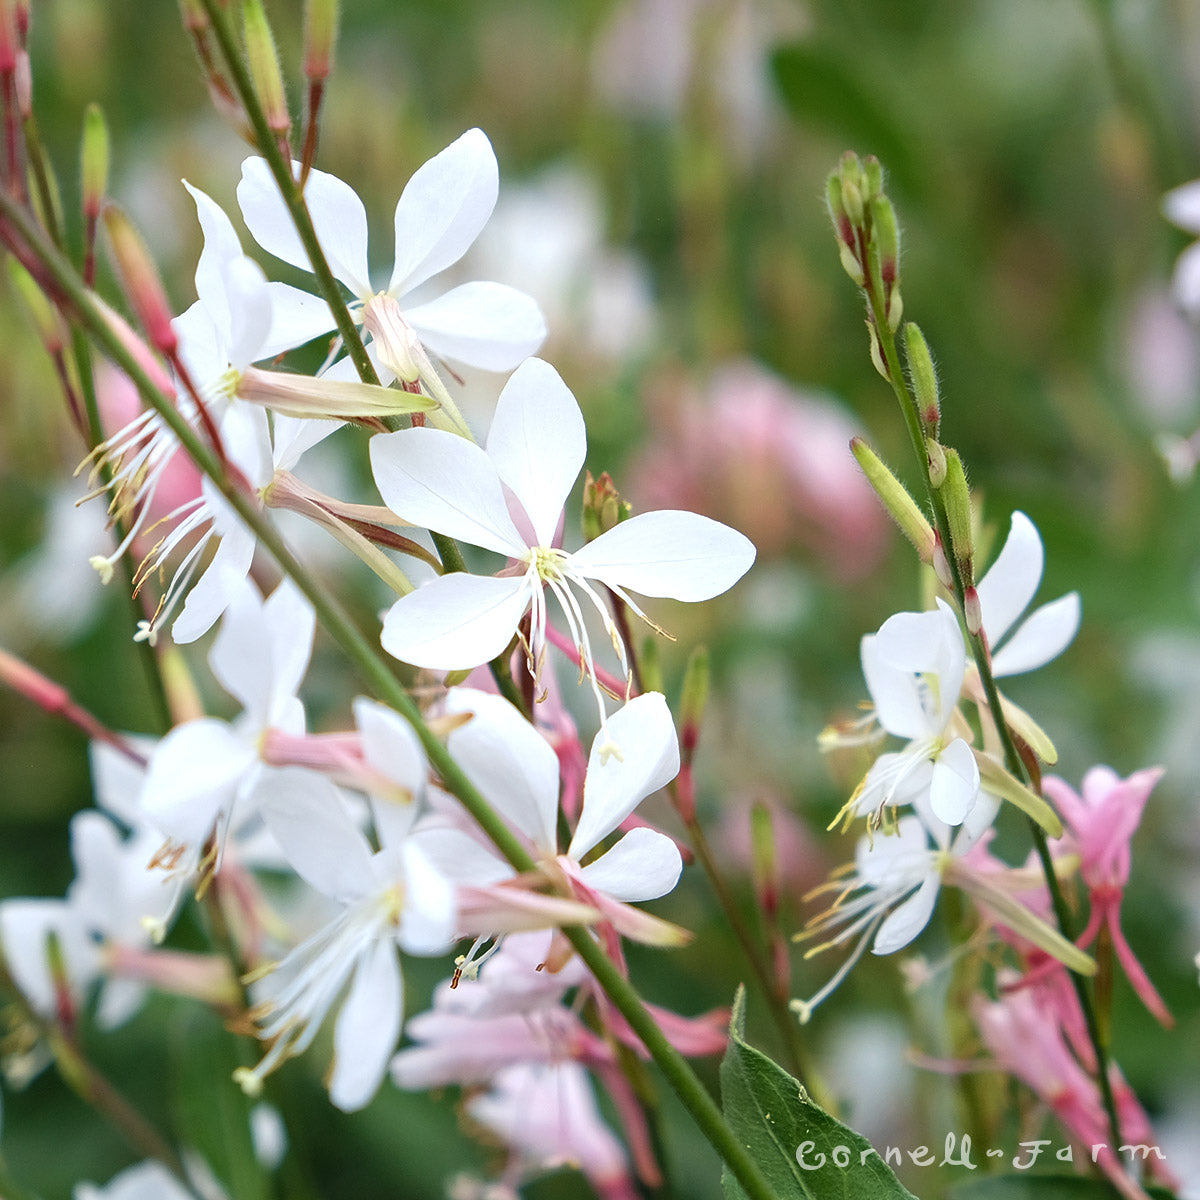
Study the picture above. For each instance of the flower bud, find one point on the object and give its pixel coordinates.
(94, 161)
(603, 507)
(877, 351)
(887, 238)
(853, 201)
(941, 564)
(10, 41)
(923, 378)
(900, 505)
(872, 177)
(320, 38)
(264, 67)
(956, 496)
(972, 612)
(195, 19)
(650, 664)
(46, 320)
(140, 278)
(763, 859)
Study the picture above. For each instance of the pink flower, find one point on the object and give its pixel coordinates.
(1101, 824)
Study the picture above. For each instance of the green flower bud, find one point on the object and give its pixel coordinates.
(264, 67)
(901, 507)
(923, 378)
(956, 496)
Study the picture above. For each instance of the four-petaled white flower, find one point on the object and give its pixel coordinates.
(914, 667)
(535, 451)
(440, 213)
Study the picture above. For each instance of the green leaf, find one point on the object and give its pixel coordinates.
(1042, 1187)
(774, 1117)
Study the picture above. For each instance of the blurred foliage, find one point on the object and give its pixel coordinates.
(1027, 142)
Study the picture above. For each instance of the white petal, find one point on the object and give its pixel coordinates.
(1042, 636)
(391, 748)
(643, 865)
(455, 622)
(209, 595)
(895, 692)
(928, 642)
(1181, 206)
(337, 214)
(290, 624)
(439, 480)
(292, 437)
(537, 443)
(316, 832)
(441, 211)
(955, 783)
(240, 657)
(367, 1028)
(117, 780)
(429, 917)
(1185, 280)
(678, 554)
(193, 775)
(221, 247)
(647, 758)
(249, 312)
(908, 919)
(296, 317)
(459, 857)
(486, 325)
(510, 762)
(1011, 581)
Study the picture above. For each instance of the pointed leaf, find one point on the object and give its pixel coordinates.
(774, 1118)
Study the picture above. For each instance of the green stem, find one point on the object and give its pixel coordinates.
(385, 685)
(979, 650)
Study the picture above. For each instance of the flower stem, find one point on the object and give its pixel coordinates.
(378, 674)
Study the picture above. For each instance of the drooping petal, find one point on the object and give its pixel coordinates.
(367, 1028)
(292, 437)
(1011, 581)
(296, 317)
(646, 758)
(643, 865)
(316, 832)
(955, 783)
(668, 553)
(510, 762)
(487, 325)
(1042, 636)
(337, 215)
(908, 919)
(442, 210)
(537, 443)
(443, 482)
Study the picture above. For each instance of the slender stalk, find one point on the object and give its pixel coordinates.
(387, 687)
(983, 663)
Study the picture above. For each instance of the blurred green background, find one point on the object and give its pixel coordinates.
(662, 178)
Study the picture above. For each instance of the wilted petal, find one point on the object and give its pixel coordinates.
(510, 762)
(486, 325)
(1042, 636)
(367, 1028)
(442, 482)
(537, 443)
(1011, 581)
(456, 621)
(442, 210)
(908, 919)
(669, 553)
(646, 759)
(643, 865)
(337, 215)
(955, 783)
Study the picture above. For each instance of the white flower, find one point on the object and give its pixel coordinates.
(390, 898)
(891, 894)
(205, 768)
(535, 450)
(517, 771)
(914, 667)
(1005, 592)
(440, 213)
(145, 1181)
